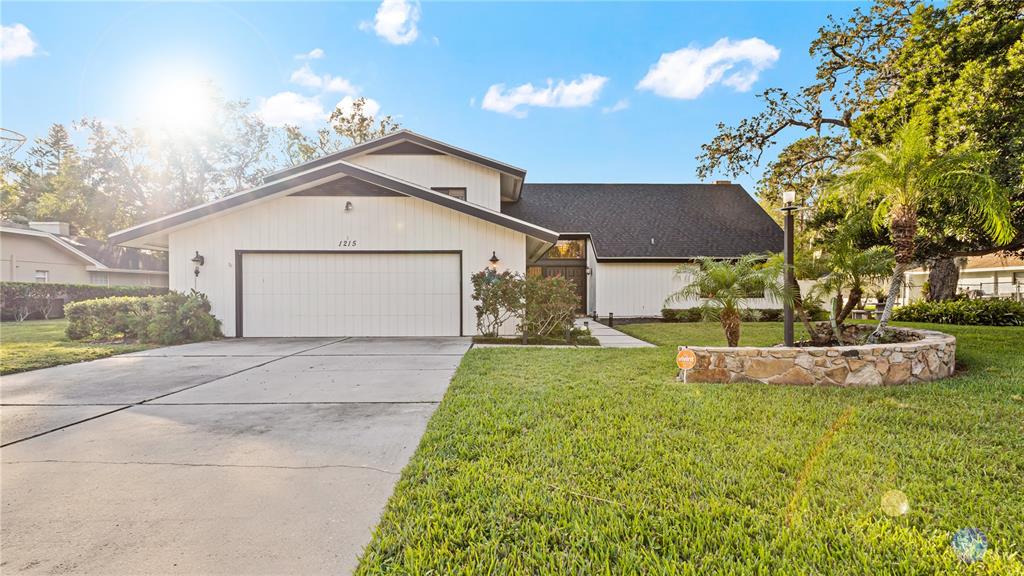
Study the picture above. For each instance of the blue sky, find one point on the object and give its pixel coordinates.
(432, 65)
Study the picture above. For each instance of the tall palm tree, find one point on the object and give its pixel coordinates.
(726, 287)
(899, 177)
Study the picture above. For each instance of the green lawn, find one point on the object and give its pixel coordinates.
(599, 462)
(42, 343)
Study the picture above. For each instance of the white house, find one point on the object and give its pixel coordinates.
(381, 239)
(988, 276)
(48, 252)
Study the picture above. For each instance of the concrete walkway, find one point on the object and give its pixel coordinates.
(248, 456)
(610, 337)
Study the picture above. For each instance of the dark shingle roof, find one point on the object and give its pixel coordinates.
(685, 220)
(119, 257)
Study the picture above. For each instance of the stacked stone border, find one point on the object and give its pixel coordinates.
(930, 357)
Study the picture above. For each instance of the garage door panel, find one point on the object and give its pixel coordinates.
(346, 294)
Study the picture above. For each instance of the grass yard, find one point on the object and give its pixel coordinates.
(42, 343)
(599, 462)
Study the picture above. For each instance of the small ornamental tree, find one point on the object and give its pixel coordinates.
(500, 299)
(726, 288)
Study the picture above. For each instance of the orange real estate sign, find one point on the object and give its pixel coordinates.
(686, 359)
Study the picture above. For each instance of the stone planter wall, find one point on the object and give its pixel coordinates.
(929, 358)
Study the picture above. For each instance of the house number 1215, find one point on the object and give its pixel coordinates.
(346, 243)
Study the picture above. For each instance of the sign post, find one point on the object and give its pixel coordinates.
(685, 360)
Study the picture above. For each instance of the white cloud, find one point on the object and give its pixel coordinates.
(305, 76)
(16, 42)
(291, 108)
(314, 54)
(575, 94)
(686, 73)
(371, 107)
(396, 21)
(617, 107)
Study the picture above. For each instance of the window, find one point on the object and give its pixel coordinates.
(568, 250)
(42, 275)
(459, 193)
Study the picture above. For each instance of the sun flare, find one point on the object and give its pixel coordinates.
(181, 105)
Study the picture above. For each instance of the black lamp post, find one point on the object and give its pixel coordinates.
(788, 208)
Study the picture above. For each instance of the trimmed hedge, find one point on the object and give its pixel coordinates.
(994, 312)
(695, 315)
(173, 318)
(24, 300)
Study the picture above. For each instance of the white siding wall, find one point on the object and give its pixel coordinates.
(483, 185)
(320, 223)
(640, 289)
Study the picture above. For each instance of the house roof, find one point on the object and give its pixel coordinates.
(394, 139)
(685, 221)
(316, 173)
(97, 254)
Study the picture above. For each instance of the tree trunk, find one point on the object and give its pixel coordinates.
(943, 276)
(890, 301)
(855, 297)
(902, 229)
(730, 320)
(798, 306)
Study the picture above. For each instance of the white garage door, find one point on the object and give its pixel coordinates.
(344, 294)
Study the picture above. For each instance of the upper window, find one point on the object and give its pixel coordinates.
(42, 275)
(459, 193)
(568, 250)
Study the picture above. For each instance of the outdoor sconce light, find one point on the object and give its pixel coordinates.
(494, 260)
(589, 271)
(198, 260)
(348, 206)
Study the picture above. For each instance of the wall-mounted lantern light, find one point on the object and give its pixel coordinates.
(589, 270)
(348, 206)
(198, 260)
(494, 260)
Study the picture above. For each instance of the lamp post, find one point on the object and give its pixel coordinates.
(788, 208)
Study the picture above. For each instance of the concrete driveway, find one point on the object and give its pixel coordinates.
(271, 456)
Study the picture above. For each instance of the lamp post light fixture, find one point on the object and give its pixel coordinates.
(788, 208)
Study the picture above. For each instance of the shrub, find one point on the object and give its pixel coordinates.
(178, 318)
(551, 305)
(970, 312)
(681, 314)
(172, 318)
(22, 300)
(696, 315)
(500, 298)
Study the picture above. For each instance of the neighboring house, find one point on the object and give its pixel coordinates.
(989, 276)
(47, 252)
(381, 239)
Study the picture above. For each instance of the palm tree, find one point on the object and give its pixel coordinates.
(849, 270)
(727, 286)
(899, 177)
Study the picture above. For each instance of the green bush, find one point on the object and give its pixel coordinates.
(178, 318)
(696, 315)
(500, 297)
(966, 312)
(172, 318)
(551, 305)
(23, 300)
(681, 314)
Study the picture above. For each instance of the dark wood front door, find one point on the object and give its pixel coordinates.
(576, 274)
